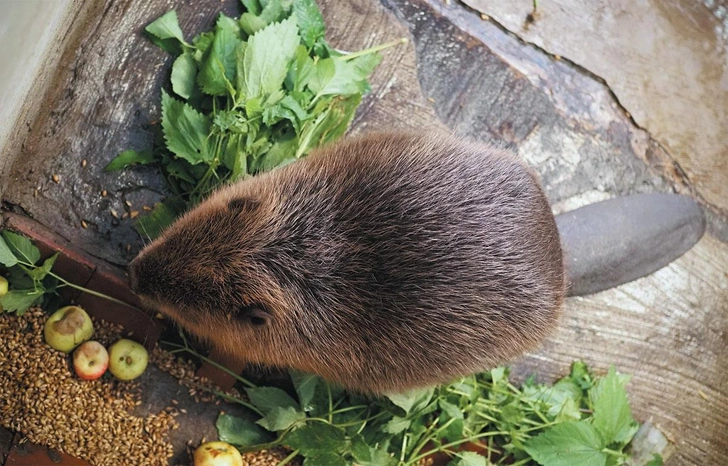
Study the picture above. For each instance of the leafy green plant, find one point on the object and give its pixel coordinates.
(579, 420)
(258, 92)
(31, 282)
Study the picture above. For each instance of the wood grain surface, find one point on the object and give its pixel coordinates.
(460, 73)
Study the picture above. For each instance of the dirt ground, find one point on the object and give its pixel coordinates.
(597, 119)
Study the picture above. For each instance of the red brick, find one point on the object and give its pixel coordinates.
(221, 378)
(30, 454)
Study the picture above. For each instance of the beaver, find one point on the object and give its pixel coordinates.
(385, 262)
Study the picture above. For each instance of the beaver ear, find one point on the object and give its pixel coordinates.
(256, 314)
(242, 204)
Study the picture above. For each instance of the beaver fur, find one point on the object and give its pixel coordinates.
(384, 262)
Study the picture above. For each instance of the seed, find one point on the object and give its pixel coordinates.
(56, 178)
(84, 224)
(484, 17)
(83, 163)
(104, 193)
(146, 208)
(134, 213)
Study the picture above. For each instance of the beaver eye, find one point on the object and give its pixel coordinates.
(256, 314)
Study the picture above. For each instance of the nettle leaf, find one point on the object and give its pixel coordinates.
(305, 385)
(468, 458)
(310, 21)
(317, 439)
(568, 444)
(300, 70)
(21, 247)
(184, 72)
(163, 215)
(166, 33)
(397, 425)
(280, 418)
(7, 258)
(412, 400)
(19, 301)
(581, 376)
(185, 130)
(40, 273)
(267, 57)
(218, 69)
(335, 76)
(128, 158)
(253, 6)
(240, 432)
(612, 414)
(273, 11)
(268, 398)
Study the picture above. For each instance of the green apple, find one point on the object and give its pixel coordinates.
(127, 359)
(67, 328)
(3, 289)
(217, 454)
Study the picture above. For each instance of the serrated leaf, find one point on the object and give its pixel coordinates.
(39, 273)
(128, 158)
(335, 76)
(268, 398)
(163, 215)
(240, 432)
(612, 414)
(166, 27)
(253, 6)
(184, 72)
(310, 21)
(218, 69)
(21, 247)
(411, 400)
(396, 425)
(330, 125)
(366, 455)
(20, 300)
(185, 130)
(279, 418)
(468, 458)
(581, 376)
(7, 258)
(267, 57)
(568, 444)
(313, 440)
(305, 385)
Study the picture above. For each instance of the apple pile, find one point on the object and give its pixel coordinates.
(71, 328)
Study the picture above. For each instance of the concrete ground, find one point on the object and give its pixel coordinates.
(604, 99)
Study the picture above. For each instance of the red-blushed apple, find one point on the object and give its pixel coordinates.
(67, 328)
(90, 360)
(127, 359)
(217, 454)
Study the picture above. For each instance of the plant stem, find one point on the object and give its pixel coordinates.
(86, 290)
(242, 380)
(374, 49)
(454, 444)
(288, 458)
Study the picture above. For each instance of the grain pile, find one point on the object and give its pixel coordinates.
(43, 399)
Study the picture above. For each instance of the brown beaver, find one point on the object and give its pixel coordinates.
(385, 262)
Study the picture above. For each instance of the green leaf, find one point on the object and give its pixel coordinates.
(281, 153)
(468, 458)
(280, 418)
(20, 300)
(317, 439)
(166, 27)
(21, 247)
(412, 400)
(655, 461)
(397, 425)
(253, 6)
(310, 21)
(39, 273)
(300, 70)
(240, 432)
(185, 130)
(335, 76)
(581, 376)
(219, 67)
(7, 258)
(129, 158)
(366, 455)
(612, 414)
(163, 215)
(325, 459)
(267, 57)
(568, 444)
(305, 385)
(268, 398)
(184, 71)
